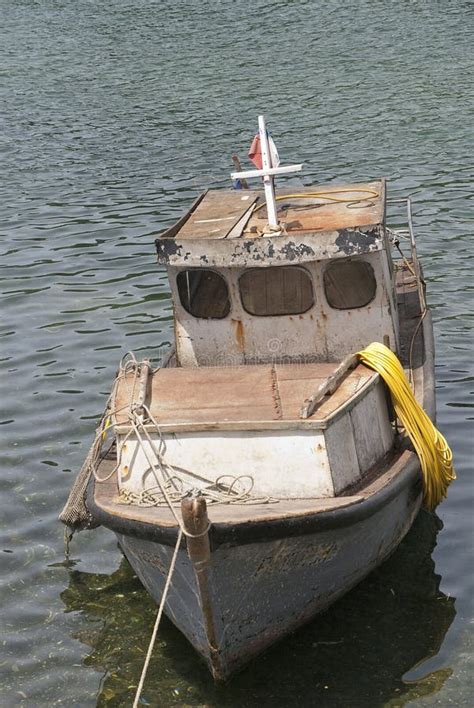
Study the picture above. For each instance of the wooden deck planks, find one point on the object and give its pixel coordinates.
(217, 214)
(224, 213)
(239, 394)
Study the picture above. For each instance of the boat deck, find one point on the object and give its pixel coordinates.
(416, 355)
(107, 502)
(244, 396)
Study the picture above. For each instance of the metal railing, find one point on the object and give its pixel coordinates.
(413, 249)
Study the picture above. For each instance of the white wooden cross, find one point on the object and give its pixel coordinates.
(267, 172)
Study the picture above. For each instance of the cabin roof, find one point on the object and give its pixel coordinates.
(227, 227)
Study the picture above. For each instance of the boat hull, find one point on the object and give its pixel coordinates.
(271, 570)
(248, 596)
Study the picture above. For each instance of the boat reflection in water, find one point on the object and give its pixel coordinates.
(354, 654)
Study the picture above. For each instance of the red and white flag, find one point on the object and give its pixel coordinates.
(255, 152)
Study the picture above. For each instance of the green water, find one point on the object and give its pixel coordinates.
(114, 116)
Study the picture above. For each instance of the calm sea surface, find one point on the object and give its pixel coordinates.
(114, 116)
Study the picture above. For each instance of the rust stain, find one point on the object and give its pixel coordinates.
(276, 394)
(294, 225)
(239, 334)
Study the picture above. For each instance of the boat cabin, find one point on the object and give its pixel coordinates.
(319, 288)
(269, 293)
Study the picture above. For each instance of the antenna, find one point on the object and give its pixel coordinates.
(267, 172)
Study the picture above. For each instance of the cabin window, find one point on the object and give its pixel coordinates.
(349, 284)
(281, 290)
(203, 293)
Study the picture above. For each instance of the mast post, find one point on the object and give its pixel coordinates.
(267, 172)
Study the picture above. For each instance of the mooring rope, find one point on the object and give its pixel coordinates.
(158, 618)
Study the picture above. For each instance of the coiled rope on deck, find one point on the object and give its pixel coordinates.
(434, 453)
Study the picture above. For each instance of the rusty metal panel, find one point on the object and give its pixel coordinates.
(318, 335)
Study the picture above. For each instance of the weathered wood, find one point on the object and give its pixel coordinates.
(196, 524)
(240, 397)
(145, 370)
(237, 230)
(327, 543)
(173, 230)
(105, 496)
(342, 453)
(384, 403)
(365, 422)
(329, 386)
(217, 214)
(322, 214)
(257, 593)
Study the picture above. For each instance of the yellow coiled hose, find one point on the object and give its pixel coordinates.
(436, 458)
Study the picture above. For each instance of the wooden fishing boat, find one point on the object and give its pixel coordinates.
(261, 436)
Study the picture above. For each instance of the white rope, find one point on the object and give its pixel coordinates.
(158, 619)
(170, 487)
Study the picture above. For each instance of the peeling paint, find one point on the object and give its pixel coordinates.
(293, 252)
(353, 242)
(168, 247)
(267, 251)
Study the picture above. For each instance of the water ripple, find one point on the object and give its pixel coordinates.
(116, 116)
